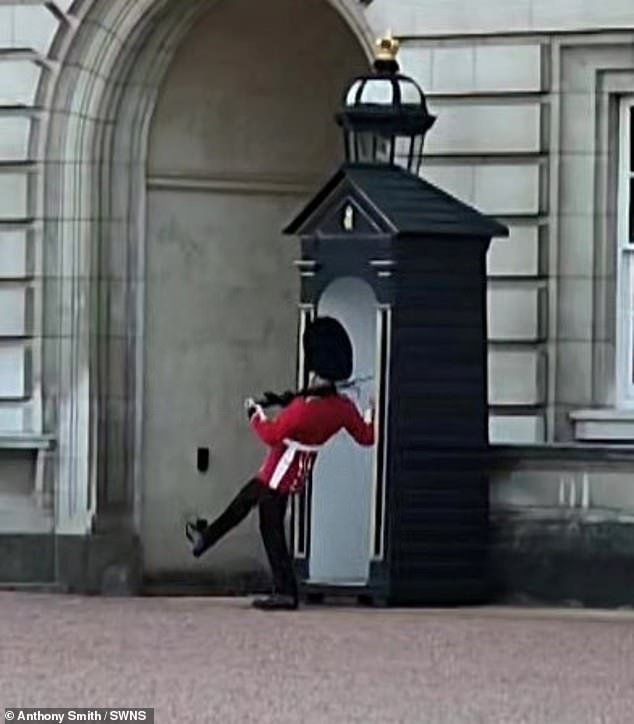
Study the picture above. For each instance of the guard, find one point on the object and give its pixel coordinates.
(309, 418)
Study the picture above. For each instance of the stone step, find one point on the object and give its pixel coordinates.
(32, 587)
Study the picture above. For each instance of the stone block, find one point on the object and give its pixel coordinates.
(6, 26)
(16, 258)
(13, 196)
(451, 17)
(21, 514)
(416, 62)
(18, 82)
(508, 189)
(12, 418)
(481, 129)
(34, 27)
(574, 14)
(516, 314)
(516, 429)
(16, 311)
(14, 138)
(63, 5)
(453, 70)
(14, 371)
(509, 69)
(27, 558)
(455, 178)
(516, 377)
(17, 471)
(527, 489)
(610, 490)
(430, 18)
(107, 563)
(497, 189)
(519, 255)
(570, 562)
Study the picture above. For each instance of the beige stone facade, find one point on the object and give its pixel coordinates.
(150, 152)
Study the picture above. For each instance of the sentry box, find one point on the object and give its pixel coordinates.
(402, 265)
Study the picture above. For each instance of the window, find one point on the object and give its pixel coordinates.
(625, 313)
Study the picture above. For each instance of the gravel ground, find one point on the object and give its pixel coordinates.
(217, 660)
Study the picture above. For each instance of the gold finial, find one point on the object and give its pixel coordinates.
(387, 47)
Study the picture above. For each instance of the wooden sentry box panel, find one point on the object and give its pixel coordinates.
(438, 521)
(439, 343)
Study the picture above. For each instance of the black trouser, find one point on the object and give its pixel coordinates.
(272, 509)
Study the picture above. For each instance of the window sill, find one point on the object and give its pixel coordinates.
(603, 425)
(26, 441)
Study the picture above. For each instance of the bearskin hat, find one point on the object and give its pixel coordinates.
(328, 349)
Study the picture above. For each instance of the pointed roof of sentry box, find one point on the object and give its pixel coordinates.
(395, 202)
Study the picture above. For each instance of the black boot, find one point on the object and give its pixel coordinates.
(276, 602)
(194, 533)
(193, 529)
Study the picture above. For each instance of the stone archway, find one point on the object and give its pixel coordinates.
(102, 106)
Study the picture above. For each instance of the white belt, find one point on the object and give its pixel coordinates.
(286, 460)
(300, 447)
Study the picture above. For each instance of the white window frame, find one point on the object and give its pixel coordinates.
(625, 261)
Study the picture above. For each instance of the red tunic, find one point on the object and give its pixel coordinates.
(298, 432)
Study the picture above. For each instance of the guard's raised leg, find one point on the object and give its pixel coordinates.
(235, 513)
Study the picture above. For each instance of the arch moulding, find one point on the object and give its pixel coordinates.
(111, 59)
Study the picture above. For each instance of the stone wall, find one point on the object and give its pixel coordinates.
(26, 37)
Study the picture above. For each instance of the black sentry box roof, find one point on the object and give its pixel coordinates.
(399, 203)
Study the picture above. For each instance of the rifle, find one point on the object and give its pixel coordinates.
(274, 399)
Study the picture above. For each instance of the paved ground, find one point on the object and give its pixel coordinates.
(216, 660)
